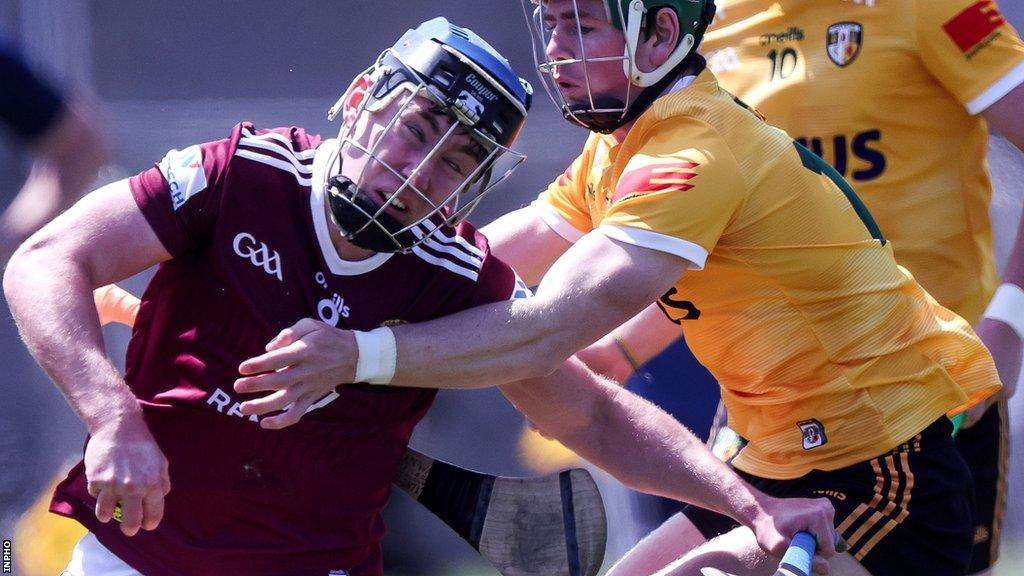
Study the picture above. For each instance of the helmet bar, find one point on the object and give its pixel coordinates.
(606, 114)
(462, 79)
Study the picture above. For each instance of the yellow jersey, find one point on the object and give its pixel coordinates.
(887, 92)
(828, 353)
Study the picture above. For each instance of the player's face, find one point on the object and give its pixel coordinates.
(581, 30)
(419, 156)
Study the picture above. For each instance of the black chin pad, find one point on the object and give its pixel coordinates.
(603, 122)
(354, 212)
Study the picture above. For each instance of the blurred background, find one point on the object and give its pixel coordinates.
(174, 73)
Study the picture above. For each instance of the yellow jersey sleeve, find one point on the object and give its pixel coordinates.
(971, 49)
(563, 205)
(673, 199)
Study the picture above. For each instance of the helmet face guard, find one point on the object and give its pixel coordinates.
(603, 113)
(444, 97)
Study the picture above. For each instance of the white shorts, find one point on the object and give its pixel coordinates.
(90, 558)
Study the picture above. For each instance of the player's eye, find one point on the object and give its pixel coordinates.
(415, 130)
(455, 166)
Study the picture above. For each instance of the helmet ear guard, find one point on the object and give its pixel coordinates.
(463, 79)
(634, 22)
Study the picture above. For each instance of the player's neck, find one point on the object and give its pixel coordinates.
(621, 132)
(346, 250)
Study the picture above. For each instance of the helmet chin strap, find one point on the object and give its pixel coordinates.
(608, 122)
(353, 212)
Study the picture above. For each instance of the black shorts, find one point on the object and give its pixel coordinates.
(909, 511)
(985, 448)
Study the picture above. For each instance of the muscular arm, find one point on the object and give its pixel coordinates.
(595, 286)
(648, 450)
(525, 242)
(49, 287)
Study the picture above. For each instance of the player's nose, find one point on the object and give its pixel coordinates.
(417, 172)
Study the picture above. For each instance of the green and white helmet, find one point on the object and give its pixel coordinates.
(602, 114)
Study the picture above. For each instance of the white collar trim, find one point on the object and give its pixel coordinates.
(317, 198)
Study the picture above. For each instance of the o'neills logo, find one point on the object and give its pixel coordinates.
(794, 34)
(481, 88)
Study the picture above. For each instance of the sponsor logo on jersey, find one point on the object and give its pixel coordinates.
(794, 34)
(183, 170)
(338, 573)
(261, 256)
(225, 404)
(813, 433)
(863, 146)
(332, 309)
(843, 42)
(976, 27)
(677, 309)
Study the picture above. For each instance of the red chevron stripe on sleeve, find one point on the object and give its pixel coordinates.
(656, 178)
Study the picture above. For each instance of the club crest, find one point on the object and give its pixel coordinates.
(812, 433)
(843, 42)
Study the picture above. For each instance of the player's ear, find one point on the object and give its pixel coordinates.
(356, 94)
(658, 39)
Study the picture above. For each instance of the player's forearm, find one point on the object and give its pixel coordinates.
(51, 300)
(650, 451)
(595, 286)
(526, 339)
(632, 439)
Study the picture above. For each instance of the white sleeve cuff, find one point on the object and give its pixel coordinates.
(685, 249)
(555, 221)
(998, 89)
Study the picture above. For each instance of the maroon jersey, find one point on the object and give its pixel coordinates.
(251, 256)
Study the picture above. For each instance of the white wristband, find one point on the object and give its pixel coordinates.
(1007, 306)
(378, 356)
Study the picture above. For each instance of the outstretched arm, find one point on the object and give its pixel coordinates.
(595, 286)
(648, 450)
(49, 287)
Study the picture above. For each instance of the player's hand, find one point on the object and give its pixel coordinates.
(116, 305)
(124, 466)
(1005, 347)
(783, 517)
(303, 364)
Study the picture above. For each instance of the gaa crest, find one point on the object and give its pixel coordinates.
(843, 42)
(812, 433)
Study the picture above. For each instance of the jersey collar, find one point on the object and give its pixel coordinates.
(317, 202)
